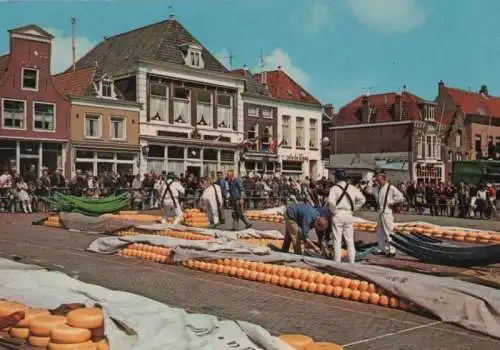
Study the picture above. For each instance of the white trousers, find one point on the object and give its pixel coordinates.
(212, 213)
(170, 208)
(342, 227)
(385, 230)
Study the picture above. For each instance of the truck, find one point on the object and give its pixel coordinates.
(476, 172)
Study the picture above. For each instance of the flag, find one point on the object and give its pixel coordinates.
(275, 145)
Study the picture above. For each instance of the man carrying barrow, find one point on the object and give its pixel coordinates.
(389, 200)
(300, 218)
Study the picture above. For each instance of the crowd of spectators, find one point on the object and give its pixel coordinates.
(23, 193)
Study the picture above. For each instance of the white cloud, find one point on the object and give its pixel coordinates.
(62, 55)
(280, 58)
(224, 57)
(389, 15)
(316, 17)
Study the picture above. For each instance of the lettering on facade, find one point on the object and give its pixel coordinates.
(297, 157)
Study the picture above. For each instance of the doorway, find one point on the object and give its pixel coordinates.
(194, 170)
(26, 163)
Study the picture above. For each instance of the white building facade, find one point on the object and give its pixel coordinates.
(299, 128)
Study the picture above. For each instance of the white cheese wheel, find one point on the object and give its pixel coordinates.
(69, 335)
(88, 345)
(41, 326)
(19, 333)
(90, 318)
(30, 314)
(39, 342)
(7, 309)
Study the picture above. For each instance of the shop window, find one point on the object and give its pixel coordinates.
(227, 156)
(210, 154)
(194, 153)
(125, 156)
(156, 151)
(85, 167)
(85, 154)
(175, 152)
(105, 155)
(30, 148)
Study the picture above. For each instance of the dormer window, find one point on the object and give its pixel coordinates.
(107, 88)
(193, 56)
(428, 111)
(30, 79)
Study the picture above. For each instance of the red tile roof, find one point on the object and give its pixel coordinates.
(74, 82)
(241, 72)
(382, 105)
(475, 103)
(282, 86)
(4, 64)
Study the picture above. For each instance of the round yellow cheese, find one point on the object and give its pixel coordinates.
(19, 333)
(296, 341)
(7, 309)
(323, 346)
(88, 345)
(101, 345)
(90, 318)
(69, 335)
(41, 326)
(39, 342)
(30, 314)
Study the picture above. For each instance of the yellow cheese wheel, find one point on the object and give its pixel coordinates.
(88, 345)
(7, 309)
(39, 342)
(296, 341)
(90, 318)
(30, 314)
(19, 333)
(101, 345)
(41, 326)
(323, 346)
(69, 335)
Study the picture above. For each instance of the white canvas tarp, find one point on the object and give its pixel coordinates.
(150, 325)
(469, 305)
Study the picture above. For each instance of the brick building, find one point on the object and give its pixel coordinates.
(392, 131)
(34, 129)
(473, 120)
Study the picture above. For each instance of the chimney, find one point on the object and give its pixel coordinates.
(329, 110)
(398, 108)
(441, 84)
(484, 90)
(365, 110)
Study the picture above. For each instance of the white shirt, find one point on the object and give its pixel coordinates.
(394, 196)
(175, 187)
(481, 194)
(209, 194)
(358, 200)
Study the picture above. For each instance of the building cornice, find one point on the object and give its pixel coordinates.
(282, 101)
(356, 126)
(104, 103)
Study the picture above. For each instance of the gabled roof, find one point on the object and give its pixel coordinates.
(252, 86)
(160, 41)
(282, 86)
(473, 103)
(381, 107)
(77, 83)
(4, 64)
(32, 29)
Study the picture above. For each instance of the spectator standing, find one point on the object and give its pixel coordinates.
(237, 196)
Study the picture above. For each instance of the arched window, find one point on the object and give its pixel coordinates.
(458, 139)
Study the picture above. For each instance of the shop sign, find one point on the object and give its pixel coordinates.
(297, 157)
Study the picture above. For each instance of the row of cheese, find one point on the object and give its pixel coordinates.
(81, 328)
(303, 342)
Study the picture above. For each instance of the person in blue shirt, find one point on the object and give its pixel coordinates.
(237, 197)
(299, 219)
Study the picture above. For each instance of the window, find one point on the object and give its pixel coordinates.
(30, 79)
(158, 102)
(253, 111)
(313, 133)
(117, 128)
(182, 104)
(450, 156)
(491, 147)
(44, 116)
(14, 114)
(287, 131)
(224, 111)
(267, 138)
(92, 126)
(477, 146)
(195, 59)
(252, 134)
(497, 147)
(458, 139)
(299, 142)
(193, 56)
(204, 108)
(429, 112)
(432, 147)
(267, 112)
(107, 88)
(420, 147)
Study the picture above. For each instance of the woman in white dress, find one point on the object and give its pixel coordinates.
(23, 196)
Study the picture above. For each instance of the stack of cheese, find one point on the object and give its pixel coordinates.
(53, 221)
(262, 216)
(303, 342)
(79, 329)
(196, 218)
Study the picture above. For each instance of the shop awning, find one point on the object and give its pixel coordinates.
(96, 145)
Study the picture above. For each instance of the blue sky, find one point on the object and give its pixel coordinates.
(338, 49)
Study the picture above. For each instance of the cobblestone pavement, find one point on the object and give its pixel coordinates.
(356, 325)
